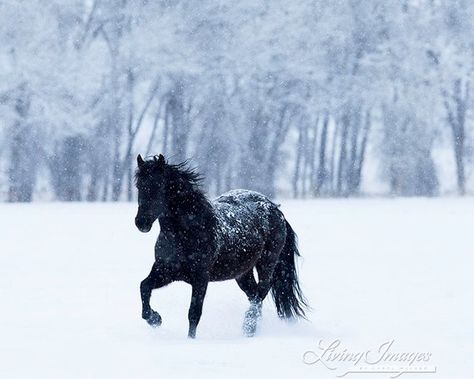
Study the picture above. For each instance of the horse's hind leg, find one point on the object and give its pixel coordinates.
(248, 284)
(265, 278)
(270, 257)
(156, 279)
(265, 268)
(254, 313)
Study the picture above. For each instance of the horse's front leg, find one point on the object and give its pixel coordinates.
(195, 310)
(156, 279)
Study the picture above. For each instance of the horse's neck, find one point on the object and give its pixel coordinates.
(190, 211)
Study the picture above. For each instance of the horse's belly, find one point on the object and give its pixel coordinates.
(232, 264)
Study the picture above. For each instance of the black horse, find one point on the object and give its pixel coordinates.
(202, 241)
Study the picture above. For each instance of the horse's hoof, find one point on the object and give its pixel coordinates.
(252, 316)
(250, 326)
(250, 323)
(154, 319)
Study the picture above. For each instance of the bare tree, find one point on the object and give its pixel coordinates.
(456, 105)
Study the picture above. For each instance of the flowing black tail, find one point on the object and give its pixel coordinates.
(286, 291)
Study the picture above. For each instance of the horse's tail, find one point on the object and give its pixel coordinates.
(286, 291)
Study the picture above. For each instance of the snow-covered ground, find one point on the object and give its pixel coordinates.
(373, 270)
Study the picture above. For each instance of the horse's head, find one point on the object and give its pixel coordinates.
(165, 188)
(150, 181)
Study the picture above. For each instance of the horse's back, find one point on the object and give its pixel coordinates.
(242, 196)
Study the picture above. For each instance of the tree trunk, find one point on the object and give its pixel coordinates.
(341, 170)
(23, 153)
(299, 153)
(457, 120)
(322, 170)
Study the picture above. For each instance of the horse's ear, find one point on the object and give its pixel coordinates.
(161, 160)
(140, 160)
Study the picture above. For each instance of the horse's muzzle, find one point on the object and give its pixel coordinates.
(143, 224)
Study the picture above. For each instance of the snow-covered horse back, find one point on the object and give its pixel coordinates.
(202, 241)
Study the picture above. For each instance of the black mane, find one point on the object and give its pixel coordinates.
(189, 174)
(179, 170)
(182, 169)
